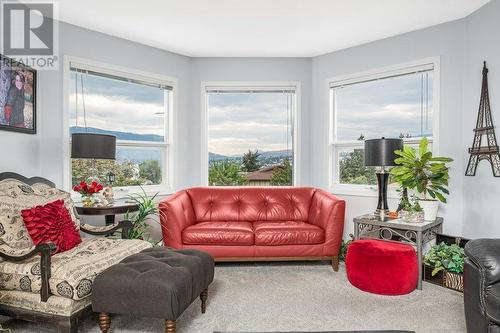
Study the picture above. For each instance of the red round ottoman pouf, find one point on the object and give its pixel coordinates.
(382, 267)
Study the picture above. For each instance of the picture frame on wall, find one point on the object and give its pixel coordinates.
(17, 96)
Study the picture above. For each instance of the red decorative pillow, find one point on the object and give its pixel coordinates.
(52, 223)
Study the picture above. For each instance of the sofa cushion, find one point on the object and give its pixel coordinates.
(219, 233)
(287, 233)
(73, 271)
(251, 203)
(16, 196)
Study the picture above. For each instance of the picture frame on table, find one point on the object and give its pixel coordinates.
(17, 96)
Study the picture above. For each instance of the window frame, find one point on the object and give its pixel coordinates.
(256, 86)
(167, 146)
(334, 146)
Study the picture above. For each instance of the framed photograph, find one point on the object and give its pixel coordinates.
(17, 96)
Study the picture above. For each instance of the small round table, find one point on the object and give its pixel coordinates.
(109, 212)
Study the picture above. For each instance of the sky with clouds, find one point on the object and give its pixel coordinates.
(385, 107)
(242, 121)
(260, 120)
(125, 106)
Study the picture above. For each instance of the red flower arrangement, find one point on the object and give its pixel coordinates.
(88, 189)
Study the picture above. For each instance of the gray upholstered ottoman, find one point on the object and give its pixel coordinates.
(159, 282)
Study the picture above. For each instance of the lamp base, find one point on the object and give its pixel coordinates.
(382, 180)
(381, 212)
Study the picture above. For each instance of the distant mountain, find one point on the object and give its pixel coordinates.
(265, 158)
(138, 155)
(119, 135)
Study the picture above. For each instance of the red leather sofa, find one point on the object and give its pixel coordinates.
(255, 223)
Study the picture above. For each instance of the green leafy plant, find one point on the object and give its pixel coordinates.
(147, 208)
(226, 173)
(410, 205)
(251, 161)
(420, 171)
(445, 257)
(343, 249)
(283, 175)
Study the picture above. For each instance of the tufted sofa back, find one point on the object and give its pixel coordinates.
(251, 203)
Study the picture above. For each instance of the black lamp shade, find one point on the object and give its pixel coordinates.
(93, 146)
(380, 152)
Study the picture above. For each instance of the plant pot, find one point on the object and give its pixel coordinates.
(430, 208)
(413, 217)
(454, 281)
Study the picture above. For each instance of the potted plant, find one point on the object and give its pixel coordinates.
(448, 259)
(411, 211)
(428, 175)
(148, 211)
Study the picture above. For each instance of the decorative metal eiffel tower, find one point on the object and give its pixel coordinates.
(484, 127)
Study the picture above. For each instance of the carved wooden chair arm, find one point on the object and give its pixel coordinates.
(45, 249)
(125, 225)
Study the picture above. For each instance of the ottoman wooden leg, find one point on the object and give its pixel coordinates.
(203, 297)
(170, 326)
(335, 263)
(104, 322)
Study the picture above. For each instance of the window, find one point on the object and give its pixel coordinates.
(392, 103)
(250, 135)
(137, 109)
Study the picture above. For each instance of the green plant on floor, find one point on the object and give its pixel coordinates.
(445, 257)
(147, 209)
(343, 249)
(420, 171)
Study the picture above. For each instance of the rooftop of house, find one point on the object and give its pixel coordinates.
(264, 173)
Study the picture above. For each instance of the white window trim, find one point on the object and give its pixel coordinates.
(258, 86)
(170, 135)
(383, 72)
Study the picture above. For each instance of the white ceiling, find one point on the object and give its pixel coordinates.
(260, 28)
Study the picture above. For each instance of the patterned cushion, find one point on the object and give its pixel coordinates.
(16, 196)
(55, 305)
(73, 271)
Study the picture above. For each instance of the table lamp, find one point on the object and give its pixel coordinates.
(380, 153)
(93, 146)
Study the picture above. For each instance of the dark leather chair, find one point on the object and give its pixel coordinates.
(482, 286)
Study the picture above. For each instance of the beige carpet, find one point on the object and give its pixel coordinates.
(296, 297)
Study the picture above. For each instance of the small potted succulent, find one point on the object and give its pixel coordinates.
(425, 174)
(87, 191)
(447, 260)
(411, 211)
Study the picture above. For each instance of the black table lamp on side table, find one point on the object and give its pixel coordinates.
(380, 153)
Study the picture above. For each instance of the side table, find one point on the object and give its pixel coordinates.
(109, 212)
(383, 227)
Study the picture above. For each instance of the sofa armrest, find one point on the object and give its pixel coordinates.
(482, 268)
(45, 250)
(176, 214)
(124, 225)
(328, 212)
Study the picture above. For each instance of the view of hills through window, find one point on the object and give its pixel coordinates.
(393, 107)
(135, 113)
(250, 137)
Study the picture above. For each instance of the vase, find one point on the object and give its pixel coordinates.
(88, 200)
(430, 208)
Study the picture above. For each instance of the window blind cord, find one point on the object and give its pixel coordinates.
(76, 98)
(83, 105)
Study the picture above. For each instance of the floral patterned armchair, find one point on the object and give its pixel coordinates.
(36, 285)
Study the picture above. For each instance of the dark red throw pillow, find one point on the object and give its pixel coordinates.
(52, 223)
